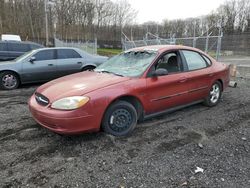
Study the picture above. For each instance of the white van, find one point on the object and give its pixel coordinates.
(8, 37)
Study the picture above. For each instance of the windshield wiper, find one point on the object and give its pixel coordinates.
(109, 72)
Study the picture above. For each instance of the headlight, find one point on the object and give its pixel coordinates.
(70, 103)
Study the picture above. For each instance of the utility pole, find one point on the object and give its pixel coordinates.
(46, 3)
(46, 23)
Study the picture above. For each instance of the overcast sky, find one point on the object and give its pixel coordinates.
(157, 10)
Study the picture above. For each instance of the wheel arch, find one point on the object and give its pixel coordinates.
(16, 73)
(89, 66)
(135, 101)
(221, 82)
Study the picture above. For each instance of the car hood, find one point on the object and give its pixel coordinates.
(78, 84)
(6, 63)
(9, 65)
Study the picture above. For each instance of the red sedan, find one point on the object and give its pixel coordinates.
(134, 85)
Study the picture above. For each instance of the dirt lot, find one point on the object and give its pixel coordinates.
(162, 152)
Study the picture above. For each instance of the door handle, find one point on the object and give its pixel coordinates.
(50, 64)
(184, 79)
(210, 75)
(79, 62)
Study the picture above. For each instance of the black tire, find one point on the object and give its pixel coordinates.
(88, 68)
(120, 119)
(213, 97)
(10, 84)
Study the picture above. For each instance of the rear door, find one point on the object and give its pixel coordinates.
(170, 90)
(68, 61)
(43, 68)
(200, 74)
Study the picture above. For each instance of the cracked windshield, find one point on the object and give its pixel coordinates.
(130, 64)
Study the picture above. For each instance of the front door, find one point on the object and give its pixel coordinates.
(42, 68)
(169, 90)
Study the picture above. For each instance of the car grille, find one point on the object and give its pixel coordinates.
(42, 100)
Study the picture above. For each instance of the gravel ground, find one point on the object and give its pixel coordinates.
(162, 152)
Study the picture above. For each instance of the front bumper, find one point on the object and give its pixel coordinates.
(63, 122)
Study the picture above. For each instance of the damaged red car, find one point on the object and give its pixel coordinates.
(135, 85)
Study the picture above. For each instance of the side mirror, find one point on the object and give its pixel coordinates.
(32, 59)
(160, 72)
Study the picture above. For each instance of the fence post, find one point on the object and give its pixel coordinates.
(206, 47)
(134, 44)
(194, 42)
(95, 46)
(218, 48)
(124, 48)
(144, 41)
(219, 43)
(173, 40)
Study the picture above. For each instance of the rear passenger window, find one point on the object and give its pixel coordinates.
(16, 47)
(67, 53)
(194, 60)
(44, 55)
(3, 47)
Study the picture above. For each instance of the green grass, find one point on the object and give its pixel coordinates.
(108, 51)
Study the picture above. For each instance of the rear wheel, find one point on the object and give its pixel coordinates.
(9, 80)
(120, 119)
(214, 94)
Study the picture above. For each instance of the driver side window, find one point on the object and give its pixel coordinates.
(44, 55)
(170, 62)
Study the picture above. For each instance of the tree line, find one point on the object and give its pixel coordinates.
(68, 19)
(106, 20)
(233, 16)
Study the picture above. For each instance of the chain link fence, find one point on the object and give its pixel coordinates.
(236, 44)
(235, 49)
(88, 46)
(233, 46)
(209, 44)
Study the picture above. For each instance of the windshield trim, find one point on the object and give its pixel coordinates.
(24, 56)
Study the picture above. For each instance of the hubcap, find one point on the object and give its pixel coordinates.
(120, 120)
(9, 81)
(215, 93)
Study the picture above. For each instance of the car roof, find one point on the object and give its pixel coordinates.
(20, 42)
(162, 48)
(56, 48)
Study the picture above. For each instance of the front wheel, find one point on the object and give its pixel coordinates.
(214, 94)
(9, 80)
(120, 119)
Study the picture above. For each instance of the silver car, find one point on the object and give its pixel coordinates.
(45, 64)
